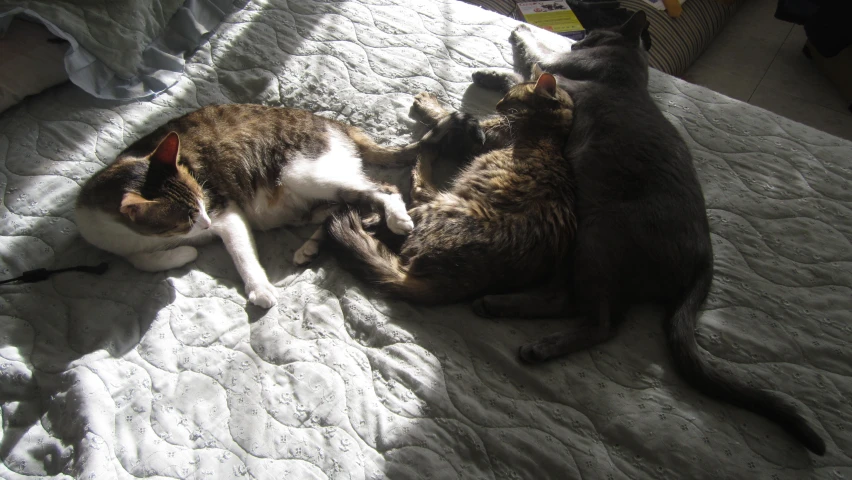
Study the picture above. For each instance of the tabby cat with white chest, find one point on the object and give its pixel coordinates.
(224, 170)
(504, 221)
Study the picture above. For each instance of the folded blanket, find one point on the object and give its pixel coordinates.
(124, 49)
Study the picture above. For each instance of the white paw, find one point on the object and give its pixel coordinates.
(306, 253)
(400, 223)
(262, 295)
(521, 34)
(522, 29)
(183, 255)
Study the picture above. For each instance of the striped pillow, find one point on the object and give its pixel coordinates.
(675, 42)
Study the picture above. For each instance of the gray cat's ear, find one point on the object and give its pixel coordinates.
(133, 205)
(634, 27)
(167, 151)
(536, 71)
(546, 85)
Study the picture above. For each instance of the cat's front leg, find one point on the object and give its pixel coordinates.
(498, 80)
(232, 227)
(527, 52)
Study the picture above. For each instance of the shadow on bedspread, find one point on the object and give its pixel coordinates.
(169, 374)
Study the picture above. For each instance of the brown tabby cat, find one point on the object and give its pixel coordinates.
(502, 223)
(225, 169)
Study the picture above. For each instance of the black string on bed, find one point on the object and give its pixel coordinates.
(41, 274)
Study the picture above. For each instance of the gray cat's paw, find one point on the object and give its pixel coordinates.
(306, 253)
(480, 307)
(262, 295)
(530, 354)
(498, 80)
(520, 34)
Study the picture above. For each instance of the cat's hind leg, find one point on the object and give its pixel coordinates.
(338, 175)
(310, 249)
(551, 299)
(385, 196)
(164, 259)
(581, 335)
(428, 108)
(524, 305)
(592, 271)
(498, 80)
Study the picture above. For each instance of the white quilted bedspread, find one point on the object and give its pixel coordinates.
(138, 375)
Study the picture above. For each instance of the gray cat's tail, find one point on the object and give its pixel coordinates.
(374, 154)
(701, 374)
(371, 260)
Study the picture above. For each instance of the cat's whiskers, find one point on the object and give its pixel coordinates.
(506, 121)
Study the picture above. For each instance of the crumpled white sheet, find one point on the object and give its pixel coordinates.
(127, 49)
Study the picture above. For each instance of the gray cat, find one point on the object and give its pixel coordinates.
(642, 234)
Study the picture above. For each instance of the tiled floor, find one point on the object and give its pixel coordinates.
(758, 59)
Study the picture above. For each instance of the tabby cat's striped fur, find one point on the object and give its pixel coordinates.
(504, 221)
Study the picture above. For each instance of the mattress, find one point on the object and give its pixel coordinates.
(172, 375)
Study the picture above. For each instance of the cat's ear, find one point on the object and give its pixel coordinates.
(634, 27)
(167, 151)
(134, 205)
(546, 85)
(536, 71)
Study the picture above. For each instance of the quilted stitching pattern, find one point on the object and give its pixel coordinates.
(172, 376)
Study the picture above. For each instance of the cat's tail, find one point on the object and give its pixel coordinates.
(699, 372)
(374, 154)
(372, 261)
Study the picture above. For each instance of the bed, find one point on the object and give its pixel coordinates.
(138, 375)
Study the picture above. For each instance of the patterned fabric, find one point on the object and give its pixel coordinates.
(134, 375)
(677, 42)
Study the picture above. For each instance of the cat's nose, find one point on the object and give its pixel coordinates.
(203, 222)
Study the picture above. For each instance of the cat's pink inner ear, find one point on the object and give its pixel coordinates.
(133, 205)
(167, 151)
(546, 84)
